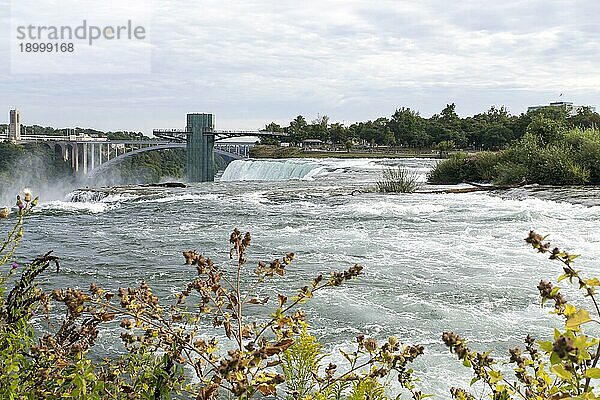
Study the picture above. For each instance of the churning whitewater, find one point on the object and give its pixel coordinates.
(433, 262)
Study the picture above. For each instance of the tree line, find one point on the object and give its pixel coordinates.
(39, 130)
(493, 129)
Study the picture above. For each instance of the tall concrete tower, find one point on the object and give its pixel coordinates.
(14, 128)
(199, 148)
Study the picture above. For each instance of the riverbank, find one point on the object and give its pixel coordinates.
(277, 152)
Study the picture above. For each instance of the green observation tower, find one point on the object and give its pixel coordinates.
(200, 143)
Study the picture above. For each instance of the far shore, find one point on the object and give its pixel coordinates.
(297, 152)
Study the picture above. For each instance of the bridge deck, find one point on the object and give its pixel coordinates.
(179, 134)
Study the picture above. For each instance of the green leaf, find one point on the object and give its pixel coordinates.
(577, 319)
(545, 345)
(560, 371)
(495, 376)
(592, 282)
(593, 373)
(557, 334)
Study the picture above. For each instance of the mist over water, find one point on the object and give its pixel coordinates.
(433, 262)
(39, 170)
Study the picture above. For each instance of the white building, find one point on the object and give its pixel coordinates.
(567, 105)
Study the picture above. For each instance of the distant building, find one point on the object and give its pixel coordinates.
(567, 105)
(14, 127)
(308, 143)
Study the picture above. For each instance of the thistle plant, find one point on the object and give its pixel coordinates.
(21, 302)
(24, 206)
(171, 350)
(564, 367)
(253, 361)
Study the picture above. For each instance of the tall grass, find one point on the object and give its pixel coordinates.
(398, 180)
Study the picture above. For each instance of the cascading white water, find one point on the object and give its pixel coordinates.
(85, 196)
(262, 170)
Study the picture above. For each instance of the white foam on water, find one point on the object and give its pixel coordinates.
(93, 208)
(315, 173)
(91, 196)
(257, 198)
(291, 229)
(182, 197)
(393, 208)
(85, 196)
(119, 197)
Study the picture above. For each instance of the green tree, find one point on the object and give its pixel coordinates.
(491, 130)
(548, 130)
(408, 128)
(447, 126)
(338, 133)
(375, 132)
(585, 118)
(558, 114)
(271, 127)
(445, 146)
(298, 130)
(319, 128)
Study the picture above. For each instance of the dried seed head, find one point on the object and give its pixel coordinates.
(4, 213)
(27, 195)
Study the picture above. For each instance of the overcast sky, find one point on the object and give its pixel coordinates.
(251, 62)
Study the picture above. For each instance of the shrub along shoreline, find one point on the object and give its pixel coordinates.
(547, 154)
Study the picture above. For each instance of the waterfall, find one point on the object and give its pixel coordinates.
(263, 170)
(85, 196)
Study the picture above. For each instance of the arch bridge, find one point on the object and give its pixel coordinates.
(91, 156)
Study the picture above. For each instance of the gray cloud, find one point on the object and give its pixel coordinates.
(252, 62)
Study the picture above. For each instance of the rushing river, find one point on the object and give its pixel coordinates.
(433, 262)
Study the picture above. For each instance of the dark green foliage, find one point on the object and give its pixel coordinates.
(494, 129)
(585, 119)
(464, 167)
(9, 154)
(126, 136)
(148, 167)
(547, 154)
(485, 165)
(557, 166)
(409, 128)
(586, 147)
(509, 172)
(546, 129)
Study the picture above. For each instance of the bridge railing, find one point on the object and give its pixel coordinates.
(171, 130)
(55, 138)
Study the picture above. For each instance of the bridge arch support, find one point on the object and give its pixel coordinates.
(228, 156)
